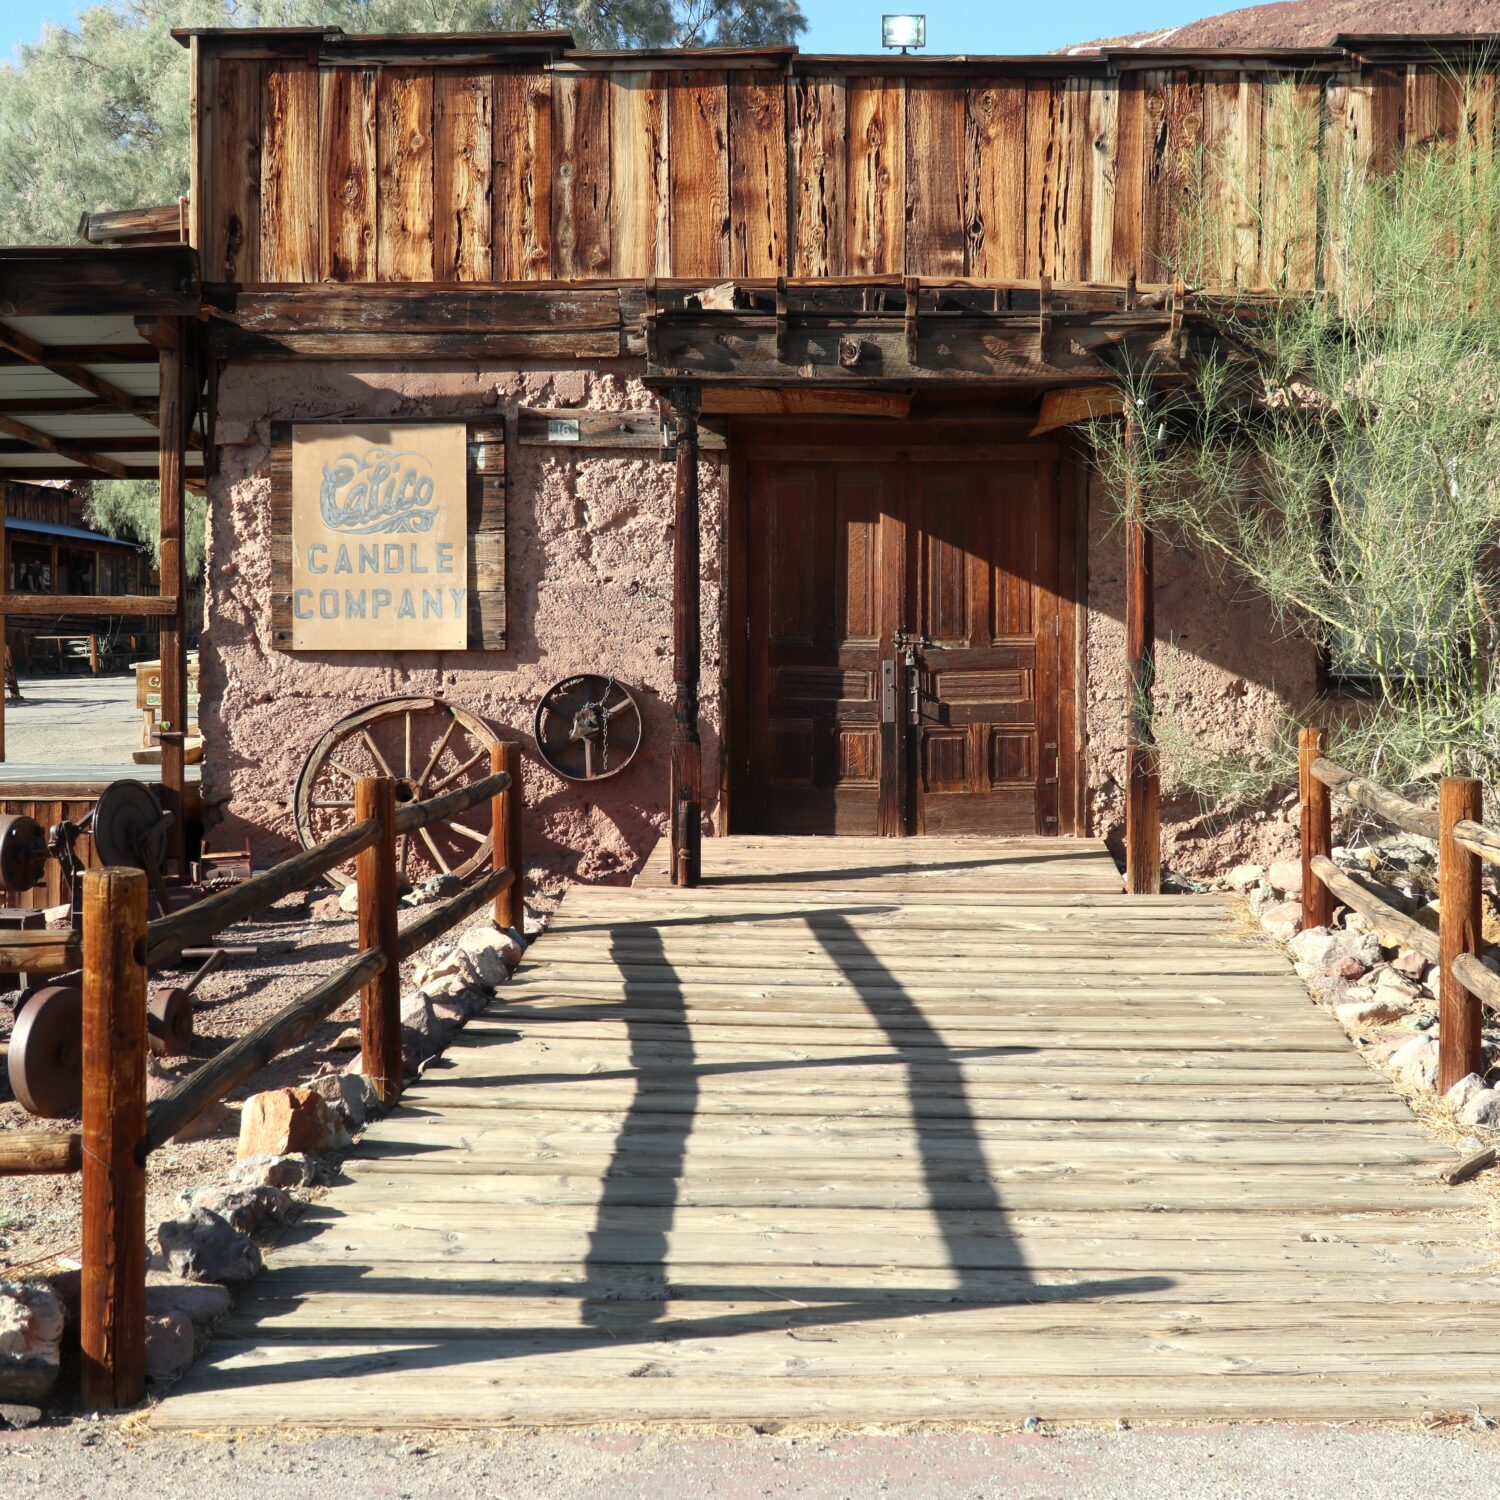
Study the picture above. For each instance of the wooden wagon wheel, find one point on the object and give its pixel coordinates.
(427, 746)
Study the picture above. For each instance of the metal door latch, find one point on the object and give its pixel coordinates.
(888, 692)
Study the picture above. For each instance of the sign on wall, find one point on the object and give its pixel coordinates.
(379, 537)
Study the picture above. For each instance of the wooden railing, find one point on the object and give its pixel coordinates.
(1465, 986)
(117, 949)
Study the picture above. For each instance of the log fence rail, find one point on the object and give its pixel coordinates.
(1466, 987)
(117, 949)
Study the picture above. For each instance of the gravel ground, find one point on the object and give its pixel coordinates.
(39, 1216)
(66, 720)
(1209, 1463)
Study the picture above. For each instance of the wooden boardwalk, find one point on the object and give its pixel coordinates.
(871, 1132)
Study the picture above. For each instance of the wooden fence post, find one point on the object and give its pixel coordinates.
(1460, 930)
(1317, 828)
(506, 845)
(112, 1296)
(380, 1000)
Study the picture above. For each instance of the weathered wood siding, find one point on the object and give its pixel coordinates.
(347, 165)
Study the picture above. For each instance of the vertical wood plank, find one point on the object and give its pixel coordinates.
(640, 188)
(580, 176)
(230, 213)
(1290, 110)
(1142, 773)
(1460, 930)
(112, 1297)
(935, 137)
(685, 794)
(1101, 143)
(1174, 114)
(877, 177)
(289, 174)
(347, 136)
(522, 194)
(1435, 98)
(404, 187)
(819, 175)
(1131, 137)
(463, 136)
(757, 175)
(994, 169)
(380, 1001)
(174, 403)
(1044, 150)
(697, 134)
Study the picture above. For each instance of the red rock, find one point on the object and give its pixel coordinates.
(282, 1121)
(169, 1344)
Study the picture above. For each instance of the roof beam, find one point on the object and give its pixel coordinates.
(36, 439)
(141, 444)
(99, 281)
(23, 346)
(67, 405)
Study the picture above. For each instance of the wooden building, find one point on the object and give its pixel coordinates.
(764, 365)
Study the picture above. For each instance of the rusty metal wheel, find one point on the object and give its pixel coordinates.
(428, 747)
(45, 1062)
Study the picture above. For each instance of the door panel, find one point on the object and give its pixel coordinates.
(815, 627)
(972, 607)
(848, 560)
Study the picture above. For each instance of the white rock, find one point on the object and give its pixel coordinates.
(351, 1094)
(1415, 1062)
(446, 971)
(1285, 876)
(1357, 1013)
(492, 953)
(349, 899)
(420, 1027)
(1390, 985)
(1482, 1111)
(1466, 1089)
(1245, 877)
(292, 1171)
(31, 1329)
(1283, 920)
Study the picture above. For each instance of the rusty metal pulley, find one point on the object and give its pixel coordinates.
(45, 1060)
(23, 852)
(588, 727)
(129, 826)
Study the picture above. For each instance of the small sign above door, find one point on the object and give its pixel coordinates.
(379, 537)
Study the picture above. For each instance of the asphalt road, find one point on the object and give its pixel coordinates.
(73, 720)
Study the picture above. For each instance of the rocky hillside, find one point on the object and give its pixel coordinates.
(1314, 23)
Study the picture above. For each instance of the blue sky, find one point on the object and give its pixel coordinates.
(853, 25)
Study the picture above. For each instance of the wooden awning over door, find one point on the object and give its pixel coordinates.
(901, 334)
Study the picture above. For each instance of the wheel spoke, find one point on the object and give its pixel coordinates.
(343, 770)
(405, 842)
(406, 762)
(374, 750)
(333, 802)
(437, 754)
(469, 833)
(436, 853)
(453, 776)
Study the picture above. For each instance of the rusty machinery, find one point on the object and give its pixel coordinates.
(44, 1060)
(588, 727)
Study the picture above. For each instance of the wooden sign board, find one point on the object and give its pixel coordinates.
(380, 537)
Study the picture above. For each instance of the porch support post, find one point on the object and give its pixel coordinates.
(685, 801)
(1142, 772)
(173, 408)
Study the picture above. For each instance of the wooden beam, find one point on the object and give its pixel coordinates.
(70, 369)
(56, 606)
(758, 401)
(46, 443)
(684, 802)
(599, 429)
(1142, 771)
(380, 1002)
(134, 226)
(99, 281)
(1316, 829)
(175, 404)
(1077, 403)
(144, 443)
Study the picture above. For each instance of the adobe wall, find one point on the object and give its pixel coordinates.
(1232, 673)
(589, 583)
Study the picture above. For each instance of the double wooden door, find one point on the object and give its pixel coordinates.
(905, 643)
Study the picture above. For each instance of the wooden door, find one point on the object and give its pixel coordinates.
(819, 630)
(981, 608)
(903, 643)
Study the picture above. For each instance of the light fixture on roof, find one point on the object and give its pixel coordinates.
(903, 31)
